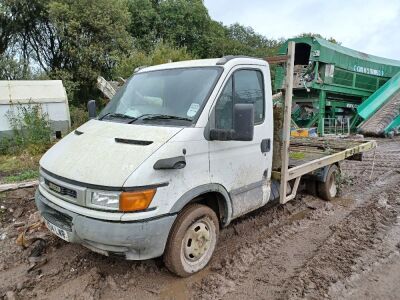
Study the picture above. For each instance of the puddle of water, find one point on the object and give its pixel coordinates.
(178, 289)
(299, 215)
(175, 290)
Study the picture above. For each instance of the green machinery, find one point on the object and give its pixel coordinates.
(331, 82)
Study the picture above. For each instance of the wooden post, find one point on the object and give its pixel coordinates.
(287, 117)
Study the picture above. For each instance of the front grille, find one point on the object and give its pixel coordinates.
(60, 189)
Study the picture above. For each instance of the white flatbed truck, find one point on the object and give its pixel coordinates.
(180, 151)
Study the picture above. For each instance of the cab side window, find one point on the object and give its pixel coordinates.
(224, 107)
(244, 86)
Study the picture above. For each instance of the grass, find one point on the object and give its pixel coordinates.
(25, 175)
(14, 168)
(296, 155)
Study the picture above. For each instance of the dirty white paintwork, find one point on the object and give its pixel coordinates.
(195, 173)
(241, 167)
(50, 94)
(94, 157)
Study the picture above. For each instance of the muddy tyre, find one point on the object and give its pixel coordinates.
(192, 240)
(328, 190)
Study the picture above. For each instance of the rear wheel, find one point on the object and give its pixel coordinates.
(328, 190)
(192, 240)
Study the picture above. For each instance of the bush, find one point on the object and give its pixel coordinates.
(79, 115)
(31, 130)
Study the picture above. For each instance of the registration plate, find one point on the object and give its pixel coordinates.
(61, 233)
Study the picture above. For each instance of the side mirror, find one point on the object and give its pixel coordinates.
(243, 125)
(91, 107)
(243, 122)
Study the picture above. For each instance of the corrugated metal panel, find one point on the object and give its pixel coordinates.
(37, 91)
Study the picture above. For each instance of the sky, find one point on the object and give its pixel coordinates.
(369, 26)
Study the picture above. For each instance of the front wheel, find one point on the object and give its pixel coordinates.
(192, 240)
(328, 190)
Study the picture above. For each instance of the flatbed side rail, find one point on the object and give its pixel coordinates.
(328, 160)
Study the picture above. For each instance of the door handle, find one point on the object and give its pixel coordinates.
(265, 145)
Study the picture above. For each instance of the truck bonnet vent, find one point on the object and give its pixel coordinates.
(77, 132)
(133, 142)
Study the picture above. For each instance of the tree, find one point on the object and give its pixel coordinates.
(77, 40)
(161, 54)
(88, 38)
(317, 35)
(7, 29)
(144, 23)
(244, 40)
(74, 40)
(185, 23)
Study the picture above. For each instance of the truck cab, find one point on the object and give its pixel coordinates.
(179, 152)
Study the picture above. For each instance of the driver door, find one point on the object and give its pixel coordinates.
(242, 166)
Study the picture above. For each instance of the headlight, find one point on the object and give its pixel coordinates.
(123, 201)
(41, 180)
(106, 199)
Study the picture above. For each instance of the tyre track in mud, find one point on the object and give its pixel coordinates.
(304, 258)
(276, 252)
(336, 260)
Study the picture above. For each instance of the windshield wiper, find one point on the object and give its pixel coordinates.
(160, 117)
(117, 115)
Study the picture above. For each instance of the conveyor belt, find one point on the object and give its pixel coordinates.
(376, 125)
(381, 109)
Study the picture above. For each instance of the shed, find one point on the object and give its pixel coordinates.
(49, 94)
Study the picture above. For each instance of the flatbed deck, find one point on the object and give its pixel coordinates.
(309, 154)
(305, 150)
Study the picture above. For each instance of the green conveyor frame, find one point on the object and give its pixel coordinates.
(374, 102)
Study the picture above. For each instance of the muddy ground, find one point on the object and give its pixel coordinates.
(345, 249)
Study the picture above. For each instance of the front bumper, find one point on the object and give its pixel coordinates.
(136, 240)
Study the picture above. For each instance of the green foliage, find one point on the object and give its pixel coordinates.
(31, 130)
(79, 115)
(72, 40)
(144, 24)
(297, 155)
(78, 40)
(185, 24)
(162, 53)
(11, 69)
(24, 175)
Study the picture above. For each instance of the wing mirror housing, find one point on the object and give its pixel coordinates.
(91, 107)
(243, 125)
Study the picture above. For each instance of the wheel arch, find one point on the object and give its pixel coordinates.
(322, 174)
(212, 195)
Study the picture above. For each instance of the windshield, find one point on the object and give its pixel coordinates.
(167, 96)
